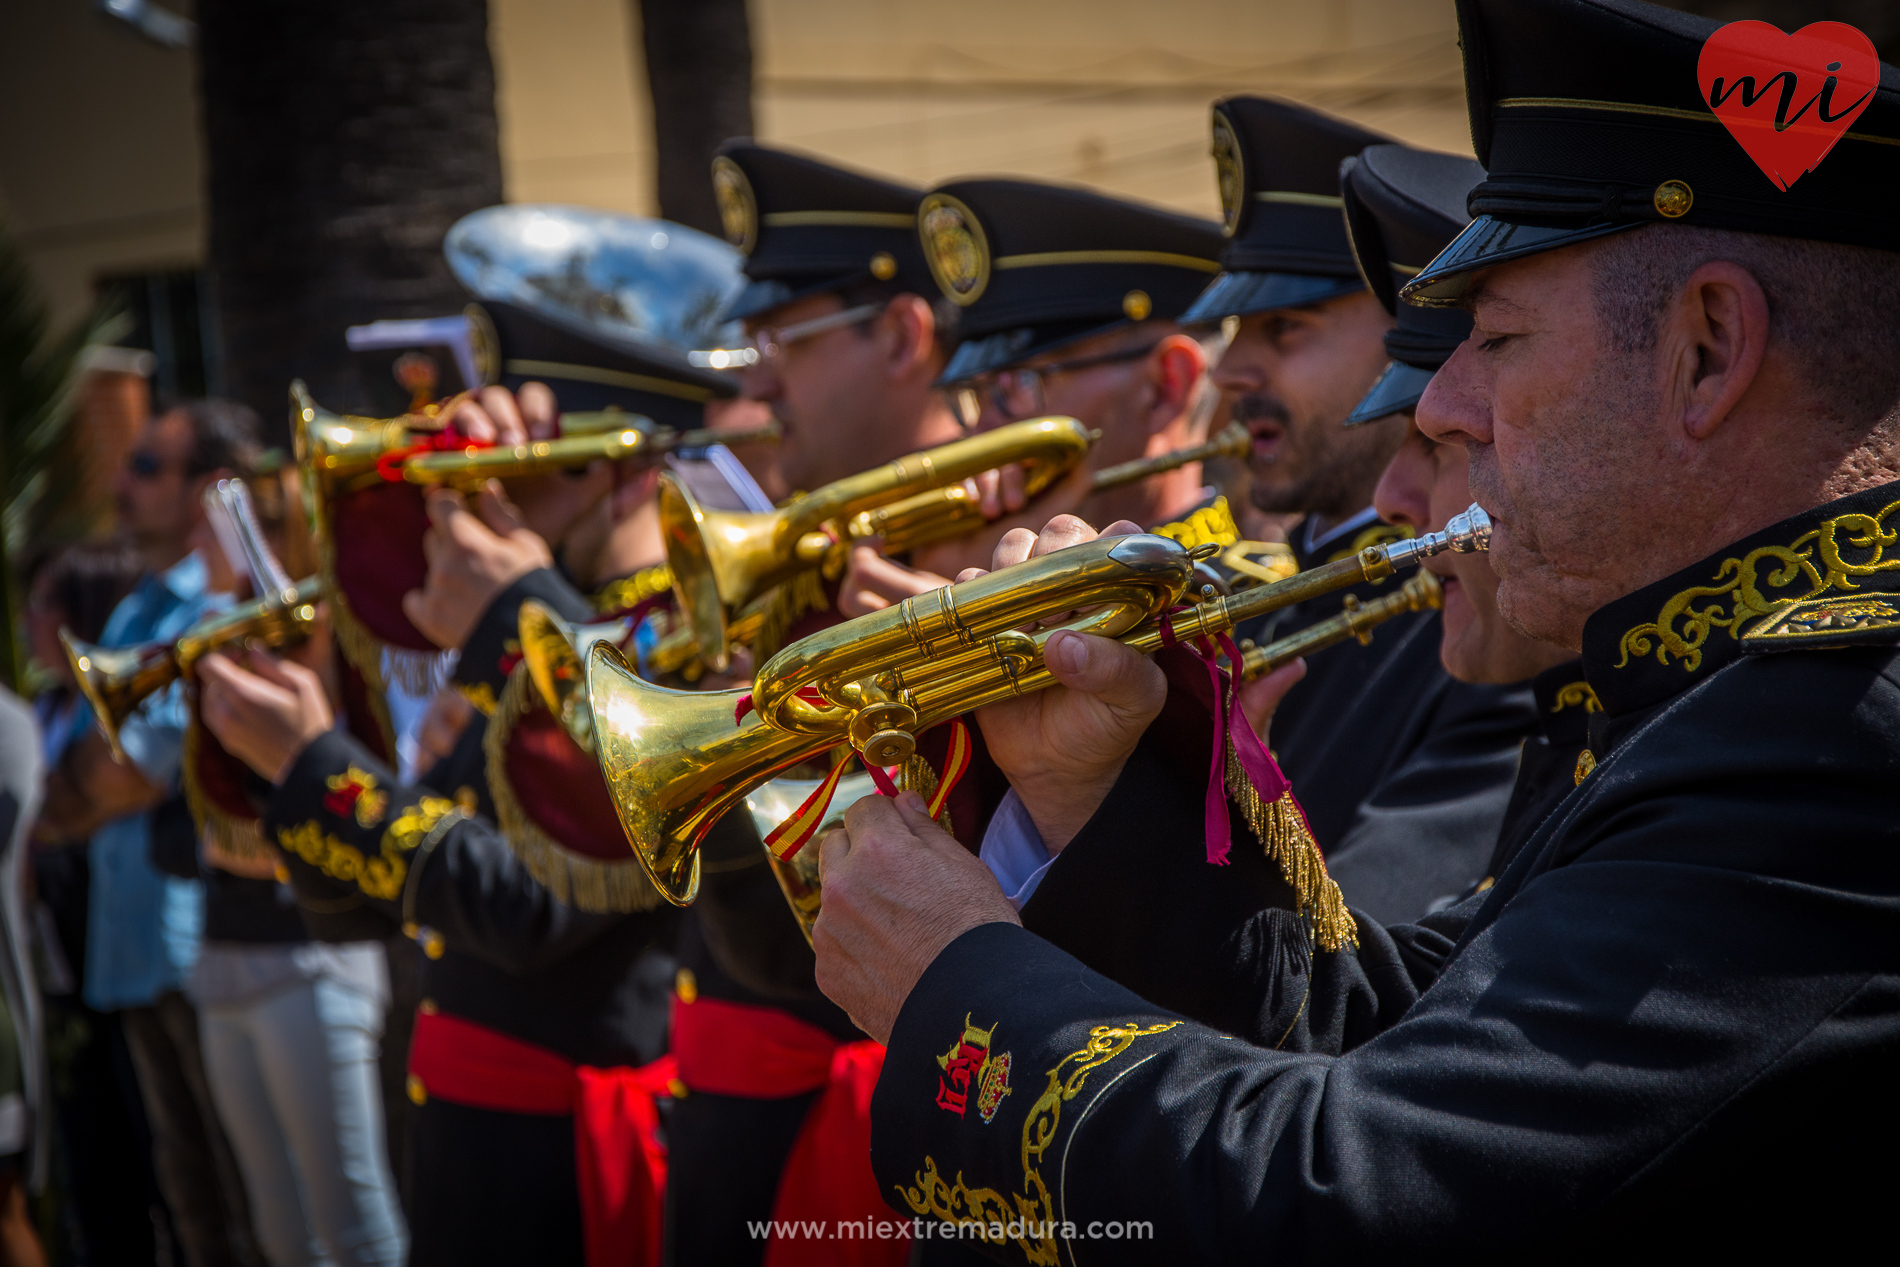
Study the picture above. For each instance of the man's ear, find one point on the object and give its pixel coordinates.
(914, 332)
(1719, 336)
(1173, 368)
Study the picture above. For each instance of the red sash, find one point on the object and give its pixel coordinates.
(619, 1161)
(761, 1053)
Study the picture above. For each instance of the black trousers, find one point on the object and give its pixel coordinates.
(492, 1188)
(196, 1170)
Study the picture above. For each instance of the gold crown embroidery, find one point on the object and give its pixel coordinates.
(1033, 1209)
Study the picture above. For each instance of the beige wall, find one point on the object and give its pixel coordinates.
(100, 167)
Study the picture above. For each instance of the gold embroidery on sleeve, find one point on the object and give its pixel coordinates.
(1032, 1210)
(1743, 589)
(380, 877)
(1210, 525)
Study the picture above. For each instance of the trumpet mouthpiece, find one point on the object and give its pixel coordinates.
(1466, 533)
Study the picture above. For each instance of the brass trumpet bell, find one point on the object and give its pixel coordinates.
(117, 680)
(556, 655)
(676, 761)
(721, 560)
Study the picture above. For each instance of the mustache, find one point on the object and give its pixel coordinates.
(1261, 407)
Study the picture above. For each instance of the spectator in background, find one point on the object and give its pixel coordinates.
(22, 1072)
(291, 1030)
(108, 1207)
(143, 927)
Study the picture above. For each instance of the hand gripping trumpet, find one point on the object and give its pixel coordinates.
(946, 513)
(676, 761)
(117, 680)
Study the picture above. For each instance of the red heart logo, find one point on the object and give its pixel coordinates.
(1787, 98)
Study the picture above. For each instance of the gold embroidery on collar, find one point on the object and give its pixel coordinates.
(1813, 561)
(1032, 1210)
(1575, 693)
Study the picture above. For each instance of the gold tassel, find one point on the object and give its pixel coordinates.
(240, 838)
(804, 593)
(1282, 833)
(587, 884)
(916, 775)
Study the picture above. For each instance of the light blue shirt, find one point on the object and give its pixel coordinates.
(1013, 850)
(143, 927)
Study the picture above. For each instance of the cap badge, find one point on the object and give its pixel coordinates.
(1231, 174)
(883, 266)
(954, 244)
(1137, 305)
(1673, 199)
(738, 209)
(1786, 99)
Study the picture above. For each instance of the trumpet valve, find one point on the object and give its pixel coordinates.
(882, 726)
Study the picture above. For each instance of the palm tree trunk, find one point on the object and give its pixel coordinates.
(699, 66)
(343, 138)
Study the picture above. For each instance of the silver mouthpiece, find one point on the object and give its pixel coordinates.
(1467, 533)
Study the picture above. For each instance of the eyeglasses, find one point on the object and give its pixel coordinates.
(1018, 393)
(771, 341)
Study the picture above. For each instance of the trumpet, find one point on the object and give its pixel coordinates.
(117, 680)
(1422, 592)
(555, 653)
(346, 450)
(675, 761)
(722, 560)
(947, 513)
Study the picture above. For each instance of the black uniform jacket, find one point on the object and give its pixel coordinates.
(367, 854)
(1671, 1021)
(1404, 773)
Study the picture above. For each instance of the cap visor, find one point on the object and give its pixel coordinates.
(1399, 388)
(1242, 294)
(1012, 347)
(1486, 242)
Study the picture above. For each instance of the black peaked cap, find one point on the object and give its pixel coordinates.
(1278, 168)
(1590, 118)
(1403, 206)
(1034, 266)
(807, 227)
(519, 346)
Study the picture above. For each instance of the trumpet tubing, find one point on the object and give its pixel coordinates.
(722, 560)
(675, 761)
(1422, 592)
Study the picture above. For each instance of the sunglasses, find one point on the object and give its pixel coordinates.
(143, 464)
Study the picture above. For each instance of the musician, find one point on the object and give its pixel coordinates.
(1068, 303)
(839, 310)
(544, 1003)
(1406, 205)
(1685, 424)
